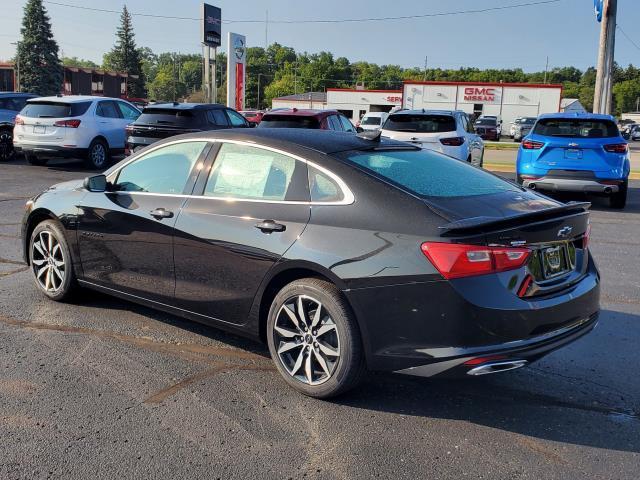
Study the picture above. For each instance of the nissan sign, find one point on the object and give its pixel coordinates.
(211, 25)
(479, 95)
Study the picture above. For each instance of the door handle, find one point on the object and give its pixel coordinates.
(159, 213)
(268, 226)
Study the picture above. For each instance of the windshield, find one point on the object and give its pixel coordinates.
(576, 128)
(429, 174)
(370, 121)
(420, 123)
(528, 121)
(54, 109)
(486, 121)
(289, 121)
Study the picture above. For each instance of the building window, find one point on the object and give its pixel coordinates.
(97, 84)
(66, 87)
(123, 86)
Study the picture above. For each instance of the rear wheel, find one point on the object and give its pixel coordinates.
(34, 159)
(314, 339)
(98, 154)
(619, 199)
(7, 151)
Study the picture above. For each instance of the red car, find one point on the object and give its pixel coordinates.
(252, 116)
(307, 118)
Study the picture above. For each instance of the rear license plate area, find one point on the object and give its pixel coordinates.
(556, 261)
(573, 154)
(39, 129)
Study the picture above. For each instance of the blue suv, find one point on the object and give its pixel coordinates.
(10, 104)
(575, 152)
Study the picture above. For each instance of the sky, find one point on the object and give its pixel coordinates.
(566, 31)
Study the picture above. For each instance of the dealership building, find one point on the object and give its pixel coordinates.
(508, 100)
(354, 103)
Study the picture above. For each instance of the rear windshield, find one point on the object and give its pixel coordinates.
(528, 120)
(167, 116)
(289, 121)
(370, 121)
(576, 128)
(420, 123)
(54, 109)
(430, 174)
(487, 121)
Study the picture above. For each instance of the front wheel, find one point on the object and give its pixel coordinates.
(619, 199)
(50, 261)
(314, 339)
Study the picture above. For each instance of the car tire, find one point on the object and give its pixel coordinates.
(50, 261)
(33, 159)
(97, 155)
(619, 199)
(7, 152)
(318, 354)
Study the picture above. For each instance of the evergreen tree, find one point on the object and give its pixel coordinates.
(125, 57)
(40, 66)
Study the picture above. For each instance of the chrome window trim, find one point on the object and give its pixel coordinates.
(348, 199)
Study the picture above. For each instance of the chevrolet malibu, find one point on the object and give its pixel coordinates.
(343, 253)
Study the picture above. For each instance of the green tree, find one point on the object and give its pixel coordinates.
(40, 66)
(125, 56)
(627, 95)
(78, 62)
(278, 88)
(166, 86)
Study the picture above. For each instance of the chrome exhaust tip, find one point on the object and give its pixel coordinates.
(497, 367)
(532, 186)
(608, 190)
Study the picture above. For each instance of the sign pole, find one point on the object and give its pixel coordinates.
(207, 72)
(214, 87)
(604, 74)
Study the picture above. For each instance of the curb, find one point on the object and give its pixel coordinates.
(501, 167)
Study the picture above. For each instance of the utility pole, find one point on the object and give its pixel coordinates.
(258, 103)
(266, 29)
(207, 73)
(426, 62)
(17, 85)
(604, 75)
(546, 69)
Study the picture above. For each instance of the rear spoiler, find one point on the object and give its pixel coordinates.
(475, 223)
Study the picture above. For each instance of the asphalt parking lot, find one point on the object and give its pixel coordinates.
(106, 389)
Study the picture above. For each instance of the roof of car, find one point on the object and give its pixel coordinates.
(426, 112)
(71, 98)
(185, 106)
(302, 112)
(323, 141)
(583, 116)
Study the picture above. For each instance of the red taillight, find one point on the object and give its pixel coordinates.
(617, 148)
(531, 145)
(452, 141)
(454, 260)
(75, 123)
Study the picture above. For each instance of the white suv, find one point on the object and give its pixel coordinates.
(445, 131)
(86, 127)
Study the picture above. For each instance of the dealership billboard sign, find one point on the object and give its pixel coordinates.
(211, 31)
(236, 71)
(479, 94)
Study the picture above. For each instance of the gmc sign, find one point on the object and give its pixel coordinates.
(475, 94)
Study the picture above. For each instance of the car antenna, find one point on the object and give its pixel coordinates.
(371, 135)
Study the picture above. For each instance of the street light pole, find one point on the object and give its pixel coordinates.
(604, 74)
(17, 85)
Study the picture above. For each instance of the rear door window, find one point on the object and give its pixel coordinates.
(334, 123)
(346, 124)
(420, 123)
(576, 128)
(54, 109)
(127, 111)
(323, 188)
(236, 119)
(107, 110)
(217, 118)
(246, 172)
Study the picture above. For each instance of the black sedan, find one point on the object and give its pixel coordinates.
(342, 252)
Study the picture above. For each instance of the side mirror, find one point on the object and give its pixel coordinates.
(96, 183)
(359, 129)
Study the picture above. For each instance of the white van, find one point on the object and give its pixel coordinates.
(373, 120)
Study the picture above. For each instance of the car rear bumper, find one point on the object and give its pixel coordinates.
(51, 150)
(573, 185)
(433, 328)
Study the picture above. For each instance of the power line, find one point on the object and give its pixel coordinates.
(628, 37)
(344, 20)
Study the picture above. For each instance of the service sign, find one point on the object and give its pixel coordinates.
(211, 25)
(236, 60)
(479, 94)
